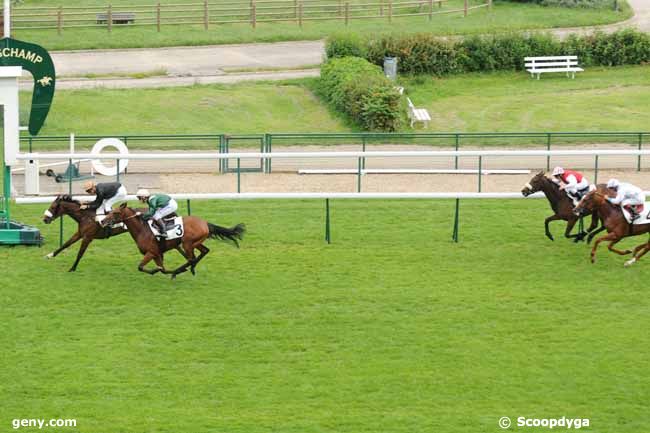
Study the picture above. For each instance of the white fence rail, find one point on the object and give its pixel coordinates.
(351, 154)
(313, 195)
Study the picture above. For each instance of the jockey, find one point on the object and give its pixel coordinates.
(160, 206)
(628, 196)
(573, 182)
(106, 195)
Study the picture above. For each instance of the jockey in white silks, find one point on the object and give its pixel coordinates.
(573, 182)
(628, 196)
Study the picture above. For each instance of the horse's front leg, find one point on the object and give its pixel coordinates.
(594, 233)
(146, 259)
(546, 222)
(75, 237)
(82, 249)
(608, 237)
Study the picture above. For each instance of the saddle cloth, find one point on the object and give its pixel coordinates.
(173, 227)
(644, 214)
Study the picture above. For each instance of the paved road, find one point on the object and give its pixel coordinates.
(203, 65)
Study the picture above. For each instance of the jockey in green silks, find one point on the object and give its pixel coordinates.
(160, 206)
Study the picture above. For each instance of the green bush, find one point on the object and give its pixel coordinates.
(345, 45)
(426, 54)
(358, 88)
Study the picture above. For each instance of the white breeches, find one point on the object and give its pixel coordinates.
(107, 205)
(633, 200)
(573, 189)
(161, 213)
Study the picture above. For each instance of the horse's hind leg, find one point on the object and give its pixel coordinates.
(569, 226)
(617, 251)
(644, 249)
(204, 251)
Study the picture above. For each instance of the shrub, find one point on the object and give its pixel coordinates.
(345, 45)
(426, 54)
(358, 88)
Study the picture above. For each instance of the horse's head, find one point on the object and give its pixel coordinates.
(589, 202)
(534, 185)
(57, 208)
(119, 215)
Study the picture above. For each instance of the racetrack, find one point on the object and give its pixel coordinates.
(391, 328)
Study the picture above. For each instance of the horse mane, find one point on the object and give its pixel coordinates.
(68, 199)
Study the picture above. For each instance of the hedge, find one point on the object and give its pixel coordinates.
(359, 89)
(427, 54)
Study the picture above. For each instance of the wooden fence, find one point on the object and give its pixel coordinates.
(251, 12)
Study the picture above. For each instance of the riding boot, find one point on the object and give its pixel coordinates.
(161, 228)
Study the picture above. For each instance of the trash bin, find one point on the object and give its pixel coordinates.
(390, 67)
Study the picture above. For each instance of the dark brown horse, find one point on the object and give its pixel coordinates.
(195, 232)
(614, 221)
(87, 229)
(562, 207)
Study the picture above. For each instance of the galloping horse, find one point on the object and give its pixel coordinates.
(614, 221)
(562, 207)
(195, 232)
(87, 228)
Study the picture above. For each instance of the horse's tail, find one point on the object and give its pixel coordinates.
(233, 234)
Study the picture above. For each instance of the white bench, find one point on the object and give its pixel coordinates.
(540, 65)
(418, 114)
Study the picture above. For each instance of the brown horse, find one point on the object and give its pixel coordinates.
(87, 229)
(614, 221)
(195, 232)
(562, 207)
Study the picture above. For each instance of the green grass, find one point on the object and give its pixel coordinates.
(392, 328)
(505, 16)
(599, 99)
(241, 108)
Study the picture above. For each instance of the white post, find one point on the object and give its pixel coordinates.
(7, 18)
(72, 142)
(9, 100)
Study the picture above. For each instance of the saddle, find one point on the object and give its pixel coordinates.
(173, 227)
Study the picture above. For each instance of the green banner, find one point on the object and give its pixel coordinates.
(36, 60)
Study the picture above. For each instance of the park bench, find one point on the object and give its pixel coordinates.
(418, 114)
(540, 65)
(116, 17)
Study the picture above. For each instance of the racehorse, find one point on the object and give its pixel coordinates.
(195, 232)
(87, 229)
(614, 221)
(562, 206)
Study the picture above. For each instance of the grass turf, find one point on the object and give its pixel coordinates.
(505, 16)
(392, 328)
(599, 99)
